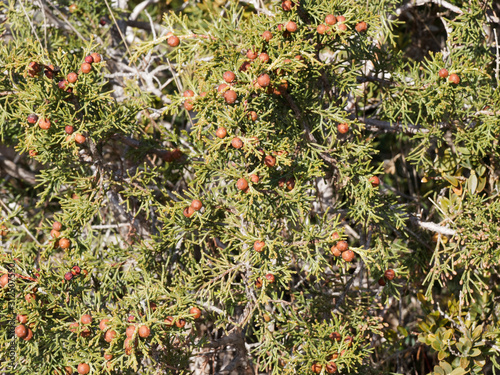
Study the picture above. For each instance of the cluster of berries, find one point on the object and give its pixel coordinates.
(75, 271)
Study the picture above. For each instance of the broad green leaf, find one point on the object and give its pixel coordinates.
(481, 184)
(464, 362)
(458, 371)
(477, 332)
(445, 366)
(403, 331)
(451, 179)
(475, 352)
(472, 183)
(439, 370)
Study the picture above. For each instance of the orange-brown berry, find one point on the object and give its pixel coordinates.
(259, 246)
(221, 132)
(86, 319)
(72, 77)
(195, 312)
(96, 57)
(321, 29)
(237, 143)
(264, 57)
(291, 26)
(64, 243)
(342, 246)
(229, 76)
(330, 19)
(270, 161)
(454, 78)
(335, 251)
(86, 68)
(286, 5)
(348, 255)
(389, 274)
(196, 204)
(21, 331)
(44, 124)
(252, 54)
(230, 96)
(264, 80)
(267, 35)
(79, 138)
(173, 41)
(343, 128)
(103, 324)
(110, 335)
(144, 331)
(375, 181)
(242, 184)
(443, 73)
(188, 211)
(361, 27)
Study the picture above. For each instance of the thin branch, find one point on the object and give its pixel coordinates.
(31, 24)
(140, 7)
(258, 7)
(416, 3)
(373, 124)
(497, 69)
(16, 171)
(308, 135)
(20, 223)
(433, 227)
(64, 19)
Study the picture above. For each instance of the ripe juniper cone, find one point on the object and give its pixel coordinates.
(221, 132)
(286, 5)
(375, 181)
(331, 19)
(96, 57)
(188, 211)
(343, 128)
(229, 76)
(259, 246)
(173, 41)
(237, 143)
(443, 73)
(454, 78)
(195, 312)
(335, 251)
(242, 184)
(389, 274)
(267, 35)
(86, 68)
(32, 118)
(72, 77)
(348, 255)
(264, 80)
(144, 331)
(196, 204)
(264, 57)
(321, 29)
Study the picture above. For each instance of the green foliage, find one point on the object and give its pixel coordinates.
(341, 107)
